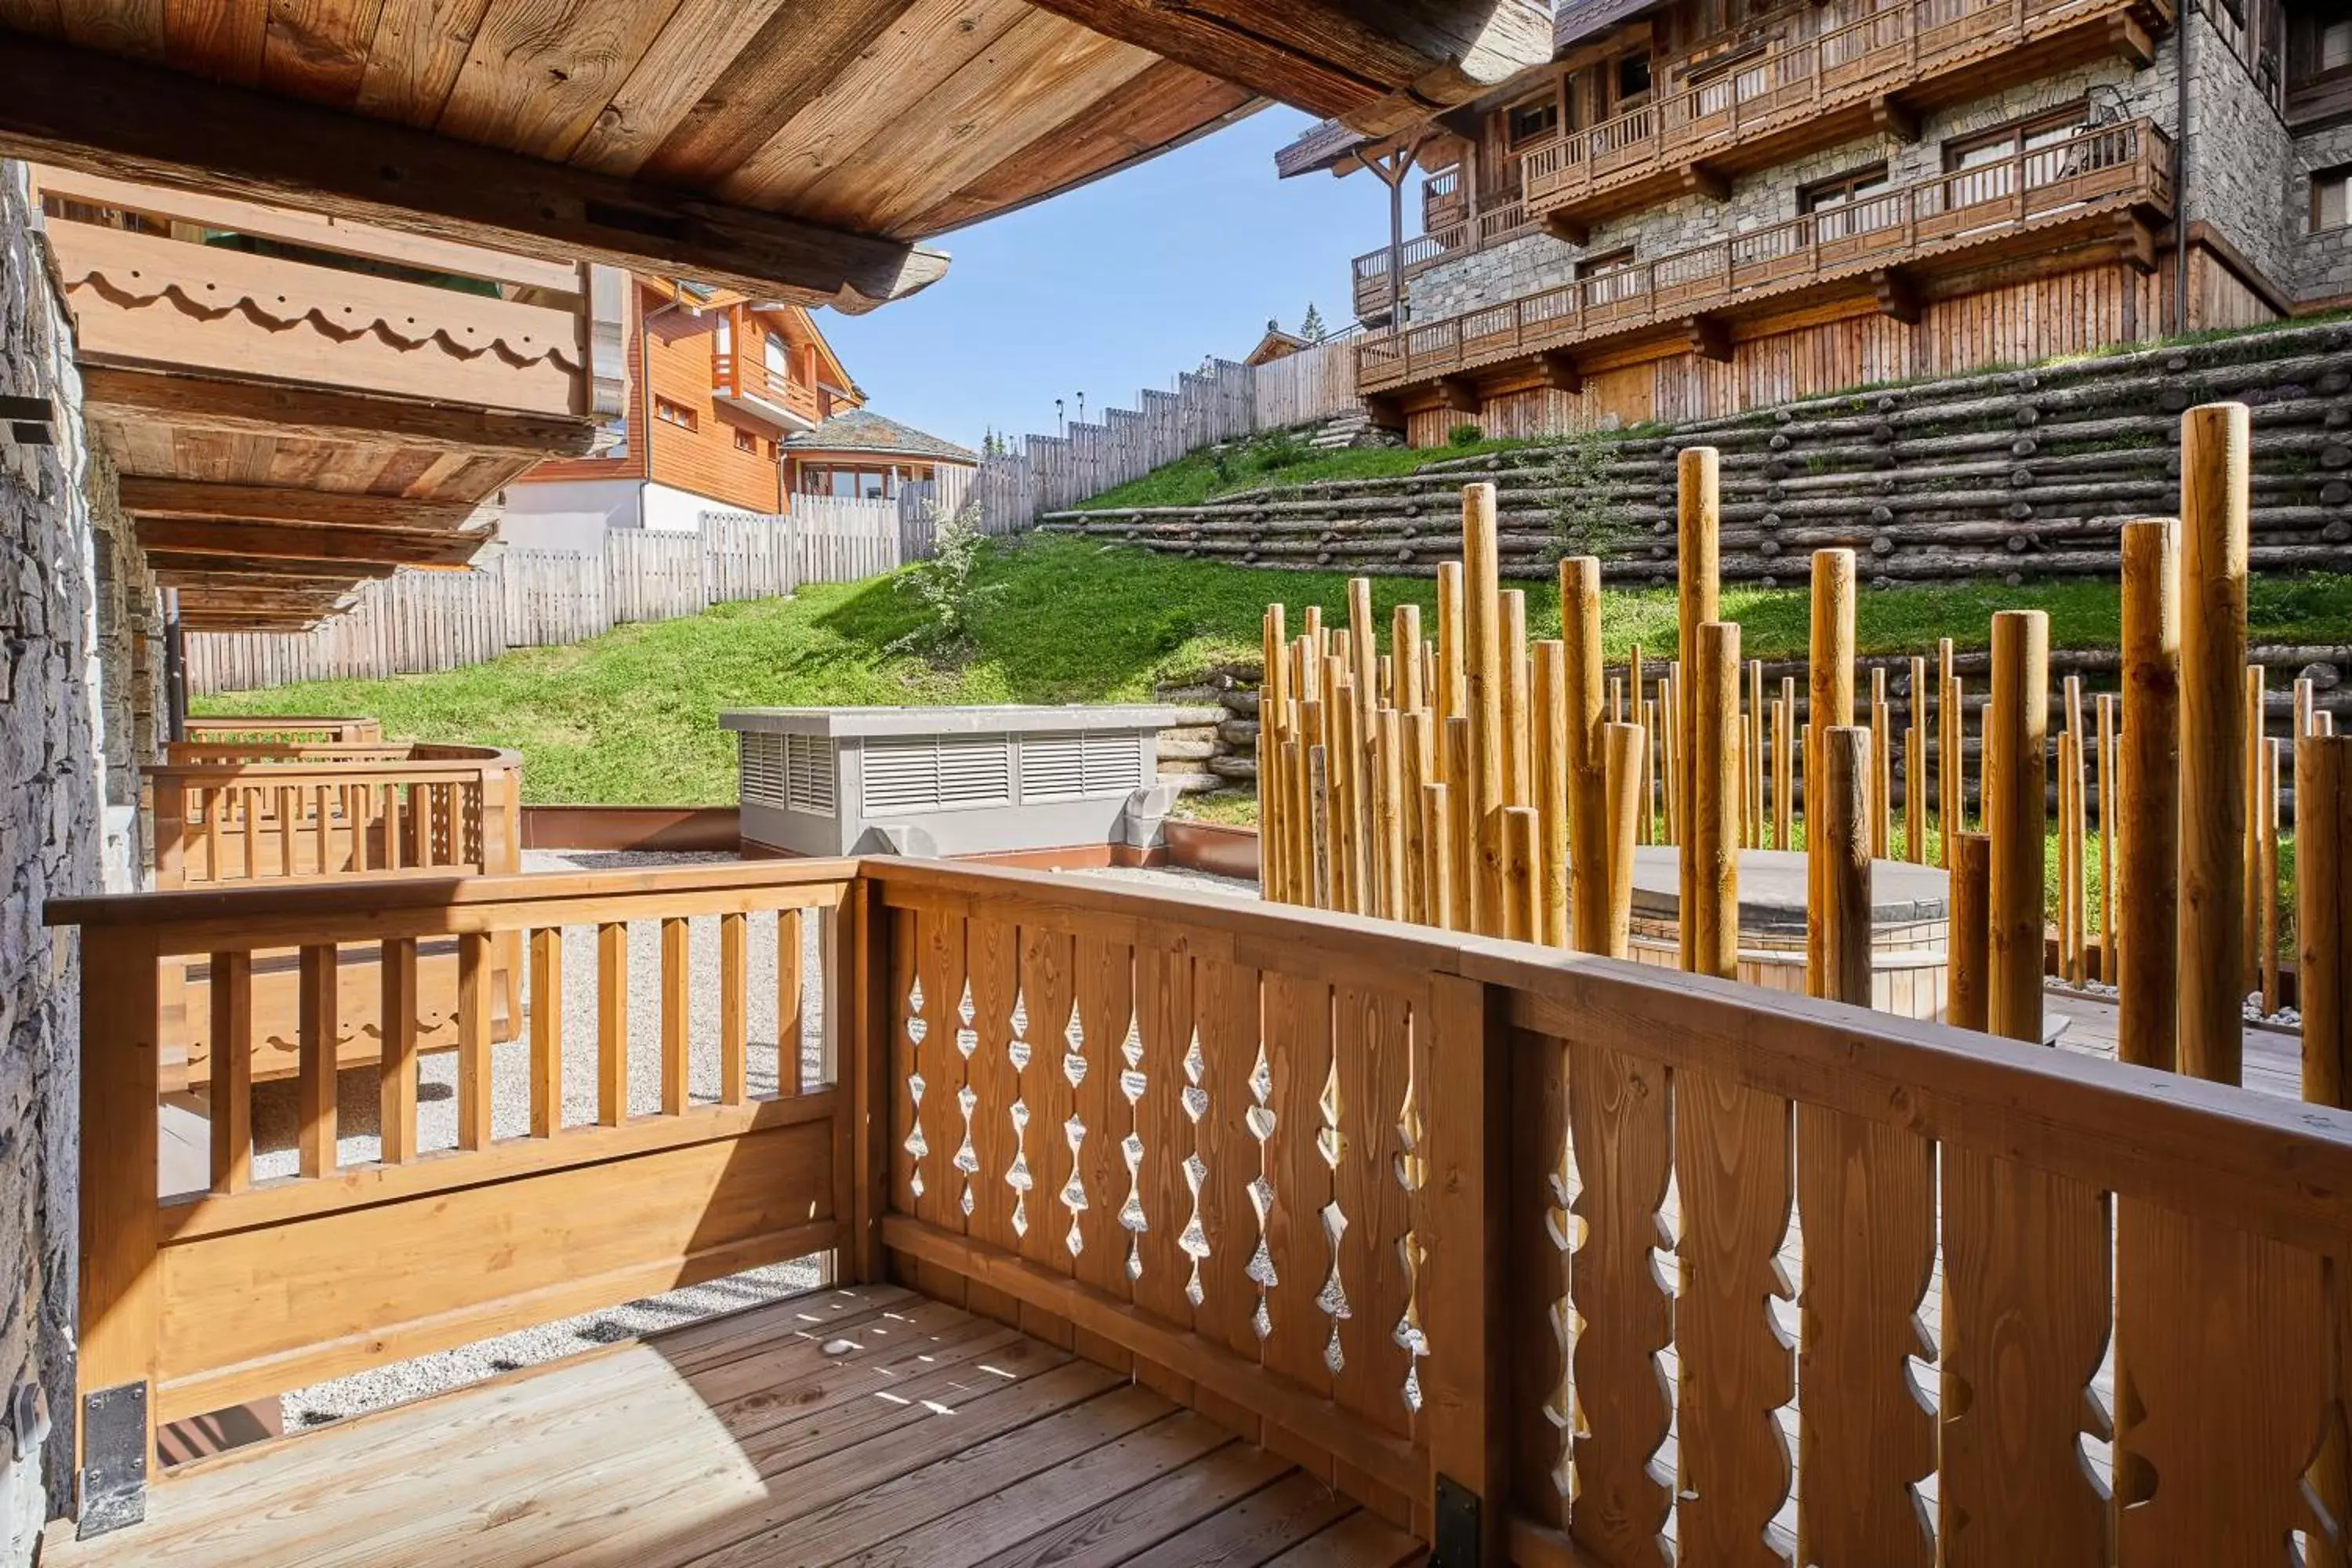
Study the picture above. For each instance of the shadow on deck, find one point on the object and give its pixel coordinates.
(862, 1425)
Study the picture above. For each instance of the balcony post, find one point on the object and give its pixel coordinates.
(857, 960)
(121, 1277)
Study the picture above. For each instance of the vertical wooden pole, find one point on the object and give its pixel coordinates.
(1588, 767)
(2070, 875)
(2074, 762)
(1968, 952)
(1843, 830)
(1830, 679)
(2109, 970)
(1451, 696)
(1522, 912)
(1753, 744)
(2016, 805)
(2146, 869)
(1549, 722)
(1914, 769)
(1654, 831)
(1460, 788)
(1438, 900)
(2256, 696)
(1405, 651)
(1624, 746)
(1319, 819)
(1881, 777)
(1417, 776)
(2212, 809)
(1518, 722)
(1389, 751)
(1697, 601)
(1784, 770)
(2323, 892)
(1483, 613)
(1710, 852)
(1949, 803)
(2267, 809)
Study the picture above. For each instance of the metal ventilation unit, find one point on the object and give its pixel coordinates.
(948, 781)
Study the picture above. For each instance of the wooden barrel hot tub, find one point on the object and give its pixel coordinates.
(1910, 972)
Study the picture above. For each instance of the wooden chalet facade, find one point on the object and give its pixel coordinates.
(1706, 206)
(708, 386)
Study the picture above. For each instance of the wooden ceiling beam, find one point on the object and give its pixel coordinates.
(298, 541)
(145, 496)
(326, 413)
(83, 110)
(177, 569)
(1379, 66)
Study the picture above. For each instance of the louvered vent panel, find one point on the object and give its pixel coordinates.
(763, 776)
(901, 774)
(1111, 763)
(975, 770)
(808, 762)
(1053, 767)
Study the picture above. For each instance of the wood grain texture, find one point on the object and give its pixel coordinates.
(2215, 440)
(1620, 1126)
(1298, 1244)
(1543, 1396)
(2026, 1314)
(1866, 1435)
(1226, 996)
(1106, 1026)
(1731, 1148)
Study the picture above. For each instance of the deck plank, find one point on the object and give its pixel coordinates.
(1114, 1531)
(1362, 1540)
(1261, 1526)
(943, 1440)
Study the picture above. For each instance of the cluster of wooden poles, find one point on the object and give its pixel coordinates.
(1477, 781)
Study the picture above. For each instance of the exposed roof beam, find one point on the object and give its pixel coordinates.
(360, 419)
(177, 569)
(86, 110)
(144, 496)
(1378, 64)
(295, 541)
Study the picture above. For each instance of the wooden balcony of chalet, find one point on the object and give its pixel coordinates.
(297, 404)
(1741, 107)
(1174, 1229)
(1452, 236)
(2099, 192)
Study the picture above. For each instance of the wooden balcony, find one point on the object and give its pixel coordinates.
(1145, 1205)
(744, 382)
(296, 403)
(1490, 228)
(1891, 244)
(1791, 97)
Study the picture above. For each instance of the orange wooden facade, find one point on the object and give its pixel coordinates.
(701, 398)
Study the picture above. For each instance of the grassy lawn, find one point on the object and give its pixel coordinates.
(1272, 460)
(631, 717)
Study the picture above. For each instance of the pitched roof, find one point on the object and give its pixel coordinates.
(860, 431)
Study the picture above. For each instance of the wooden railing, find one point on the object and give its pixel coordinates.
(2115, 166)
(1420, 254)
(741, 376)
(232, 814)
(278, 730)
(569, 1198)
(1789, 81)
(1394, 1202)
(1444, 202)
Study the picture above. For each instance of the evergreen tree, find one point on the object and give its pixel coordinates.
(1312, 328)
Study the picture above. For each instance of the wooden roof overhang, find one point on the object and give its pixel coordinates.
(801, 151)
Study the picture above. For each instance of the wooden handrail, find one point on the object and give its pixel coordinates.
(1789, 79)
(2131, 162)
(1314, 1168)
(282, 729)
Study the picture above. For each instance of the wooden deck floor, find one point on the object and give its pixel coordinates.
(865, 1426)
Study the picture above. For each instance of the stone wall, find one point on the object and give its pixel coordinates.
(70, 638)
(2322, 261)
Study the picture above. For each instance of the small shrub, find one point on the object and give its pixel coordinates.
(947, 587)
(1279, 449)
(1465, 434)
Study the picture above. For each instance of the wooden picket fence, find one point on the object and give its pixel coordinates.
(841, 540)
(1221, 401)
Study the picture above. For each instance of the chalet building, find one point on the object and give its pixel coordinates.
(860, 453)
(1709, 205)
(706, 386)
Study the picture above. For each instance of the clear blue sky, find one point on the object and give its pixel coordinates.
(1117, 286)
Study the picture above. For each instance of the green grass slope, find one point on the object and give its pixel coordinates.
(630, 718)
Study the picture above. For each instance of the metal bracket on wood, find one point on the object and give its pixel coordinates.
(1456, 1532)
(114, 1459)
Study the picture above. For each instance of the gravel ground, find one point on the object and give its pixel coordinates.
(437, 1113)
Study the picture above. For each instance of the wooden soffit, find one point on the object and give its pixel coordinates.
(798, 151)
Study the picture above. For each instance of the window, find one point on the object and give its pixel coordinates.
(1604, 262)
(2335, 46)
(1990, 162)
(2331, 198)
(1609, 276)
(1844, 206)
(777, 367)
(1633, 77)
(1532, 121)
(675, 414)
(747, 442)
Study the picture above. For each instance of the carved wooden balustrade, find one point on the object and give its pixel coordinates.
(1561, 1260)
